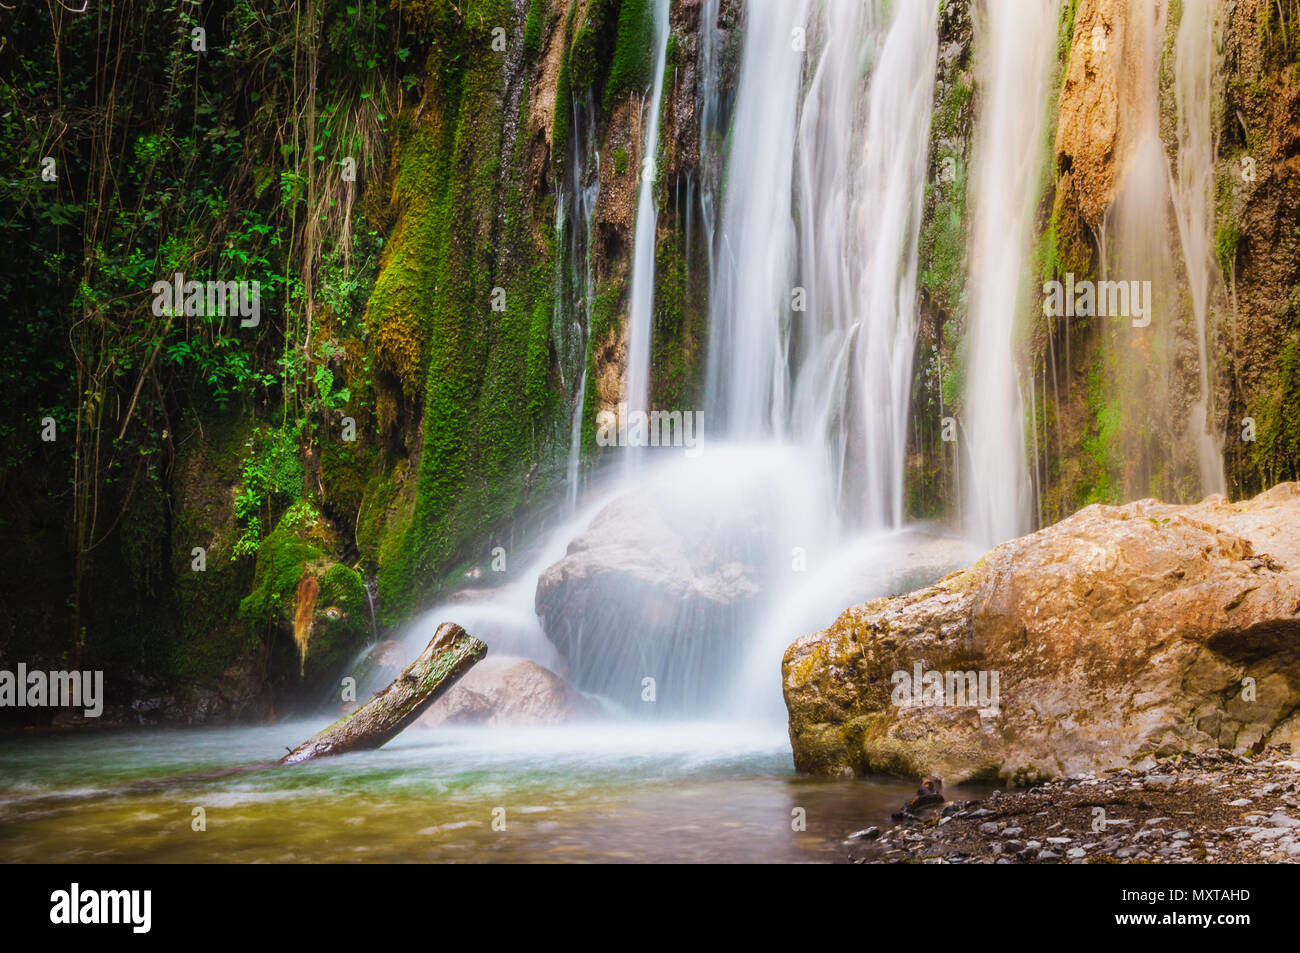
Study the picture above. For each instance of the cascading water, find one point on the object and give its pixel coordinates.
(712, 132)
(860, 189)
(1195, 65)
(751, 297)
(1016, 43)
(824, 196)
(1165, 204)
(696, 572)
(576, 207)
(641, 315)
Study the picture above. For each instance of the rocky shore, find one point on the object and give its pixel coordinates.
(1211, 807)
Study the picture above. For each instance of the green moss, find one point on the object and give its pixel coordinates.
(680, 326)
(535, 26)
(634, 50)
(342, 588)
(943, 238)
(341, 622)
(1101, 458)
(282, 560)
(1227, 238)
(606, 320)
(593, 45)
(343, 470)
(1276, 450)
(488, 380)
(209, 637)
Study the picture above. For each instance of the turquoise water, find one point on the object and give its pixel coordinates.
(609, 791)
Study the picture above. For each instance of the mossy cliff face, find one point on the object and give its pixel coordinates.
(1257, 344)
(475, 231)
(1114, 423)
(475, 383)
(938, 379)
(1119, 635)
(433, 413)
(310, 609)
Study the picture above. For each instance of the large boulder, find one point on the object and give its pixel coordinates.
(652, 589)
(1119, 635)
(507, 691)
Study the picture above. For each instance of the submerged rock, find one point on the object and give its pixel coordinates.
(1119, 635)
(507, 691)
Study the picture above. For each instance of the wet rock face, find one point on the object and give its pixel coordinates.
(1117, 635)
(508, 691)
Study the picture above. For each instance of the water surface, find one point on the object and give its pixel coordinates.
(611, 792)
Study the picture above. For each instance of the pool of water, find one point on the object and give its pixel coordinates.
(611, 791)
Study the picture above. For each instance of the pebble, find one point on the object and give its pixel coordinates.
(1038, 824)
(1268, 833)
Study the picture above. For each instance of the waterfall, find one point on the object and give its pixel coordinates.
(861, 187)
(697, 572)
(712, 132)
(750, 302)
(813, 312)
(576, 207)
(641, 317)
(1195, 66)
(1016, 44)
(1165, 205)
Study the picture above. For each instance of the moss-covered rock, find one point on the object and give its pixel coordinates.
(308, 609)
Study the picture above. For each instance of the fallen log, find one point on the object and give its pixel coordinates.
(450, 654)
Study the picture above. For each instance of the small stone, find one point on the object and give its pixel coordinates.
(989, 827)
(1282, 820)
(1048, 855)
(1033, 844)
(1012, 831)
(870, 833)
(1269, 833)
(1240, 802)
(1160, 781)
(1075, 853)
